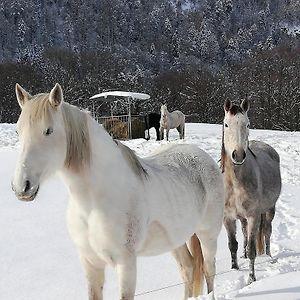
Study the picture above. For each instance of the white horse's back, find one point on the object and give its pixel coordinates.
(184, 179)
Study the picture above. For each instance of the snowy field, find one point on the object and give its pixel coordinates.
(39, 262)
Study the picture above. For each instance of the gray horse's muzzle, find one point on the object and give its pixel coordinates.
(238, 156)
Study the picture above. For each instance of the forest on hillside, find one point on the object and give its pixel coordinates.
(190, 54)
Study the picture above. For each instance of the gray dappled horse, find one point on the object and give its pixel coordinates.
(252, 182)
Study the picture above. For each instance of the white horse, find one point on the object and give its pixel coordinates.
(121, 206)
(171, 120)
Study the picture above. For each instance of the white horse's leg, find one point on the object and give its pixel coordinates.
(127, 278)
(209, 250)
(161, 133)
(185, 263)
(167, 133)
(95, 278)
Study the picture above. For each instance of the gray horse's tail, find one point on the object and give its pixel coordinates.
(198, 273)
(260, 242)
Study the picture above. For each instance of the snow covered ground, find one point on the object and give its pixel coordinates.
(38, 260)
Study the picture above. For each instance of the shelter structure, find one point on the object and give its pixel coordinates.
(119, 126)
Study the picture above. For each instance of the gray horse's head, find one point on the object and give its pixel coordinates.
(236, 131)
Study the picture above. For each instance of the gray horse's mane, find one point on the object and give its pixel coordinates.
(132, 160)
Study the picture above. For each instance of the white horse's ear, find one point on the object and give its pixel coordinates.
(56, 96)
(245, 105)
(227, 105)
(22, 95)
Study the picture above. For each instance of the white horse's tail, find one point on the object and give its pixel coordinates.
(198, 273)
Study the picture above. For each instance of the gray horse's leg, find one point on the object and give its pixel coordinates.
(253, 227)
(245, 235)
(185, 263)
(230, 226)
(268, 228)
(95, 278)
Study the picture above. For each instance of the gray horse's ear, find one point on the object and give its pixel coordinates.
(56, 96)
(22, 95)
(245, 105)
(227, 105)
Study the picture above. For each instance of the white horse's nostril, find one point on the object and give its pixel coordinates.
(27, 186)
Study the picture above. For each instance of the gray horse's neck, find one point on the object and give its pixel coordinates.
(243, 175)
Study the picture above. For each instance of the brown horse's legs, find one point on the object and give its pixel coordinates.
(230, 226)
(158, 138)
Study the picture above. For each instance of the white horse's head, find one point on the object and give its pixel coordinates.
(164, 111)
(42, 139)
(236, 131)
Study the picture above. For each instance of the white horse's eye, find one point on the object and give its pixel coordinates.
(48, 131)
(248, 125)
(226, 125)
(17, 132)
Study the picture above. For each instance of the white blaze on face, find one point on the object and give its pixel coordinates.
(236, 132)
(163, 111)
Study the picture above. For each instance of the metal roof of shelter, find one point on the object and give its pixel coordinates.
(110, 96)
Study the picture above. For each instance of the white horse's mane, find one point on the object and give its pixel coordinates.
(78, 140)
(132, 159)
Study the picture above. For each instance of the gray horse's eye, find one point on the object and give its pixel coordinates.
(248, 125)
(48, 131)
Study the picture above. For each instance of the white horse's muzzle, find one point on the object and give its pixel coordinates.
(27, 193)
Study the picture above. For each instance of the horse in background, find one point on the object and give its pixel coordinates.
(152, 120)
(121, 206)
(175, 119)
(252, 185)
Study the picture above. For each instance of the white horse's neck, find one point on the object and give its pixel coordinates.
(104, 167)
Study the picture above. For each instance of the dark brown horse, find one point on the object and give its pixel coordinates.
(152, 120)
